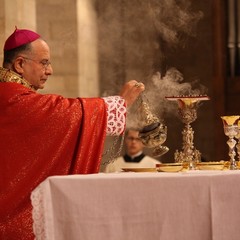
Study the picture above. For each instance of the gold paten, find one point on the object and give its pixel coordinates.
(170, 167)
(139, 169)
(212, 165)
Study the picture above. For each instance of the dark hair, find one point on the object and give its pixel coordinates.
(130, 129)
(10, 55)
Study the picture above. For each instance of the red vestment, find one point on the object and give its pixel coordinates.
(41, 136)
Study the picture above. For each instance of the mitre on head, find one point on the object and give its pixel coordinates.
(20, 37)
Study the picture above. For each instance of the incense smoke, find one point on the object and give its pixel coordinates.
(160, 87)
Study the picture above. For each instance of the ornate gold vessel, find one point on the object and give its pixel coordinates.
(187, 109)
(154, 132)
(230, 126)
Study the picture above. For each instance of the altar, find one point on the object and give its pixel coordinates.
(199, 205)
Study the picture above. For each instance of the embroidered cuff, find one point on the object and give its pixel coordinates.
(116, 115)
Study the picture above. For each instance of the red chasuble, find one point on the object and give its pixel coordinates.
(41, 136)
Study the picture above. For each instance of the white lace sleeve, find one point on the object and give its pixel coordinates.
(38, 213)
(116, 115)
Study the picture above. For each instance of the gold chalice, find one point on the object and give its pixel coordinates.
(238, 141)
(230, 126)
(187, 109)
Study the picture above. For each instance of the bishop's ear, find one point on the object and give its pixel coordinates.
(19, 64)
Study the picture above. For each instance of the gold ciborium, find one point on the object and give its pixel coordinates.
(187, 109)
(153, 133)
(230, 126)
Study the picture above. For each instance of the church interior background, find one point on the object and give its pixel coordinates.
(97, 45)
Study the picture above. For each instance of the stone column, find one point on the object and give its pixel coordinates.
(16, 13)
(88, 84)
(21, 14)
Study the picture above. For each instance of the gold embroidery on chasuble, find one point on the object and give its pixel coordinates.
(7, 75)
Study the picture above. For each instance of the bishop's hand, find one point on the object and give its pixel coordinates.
(131, 90)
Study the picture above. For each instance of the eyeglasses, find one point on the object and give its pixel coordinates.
(45, 63)
(133, 138)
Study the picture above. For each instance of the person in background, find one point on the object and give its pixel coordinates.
(42, 135)
(134, 157)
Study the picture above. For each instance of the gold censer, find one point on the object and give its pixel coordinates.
(153, 132)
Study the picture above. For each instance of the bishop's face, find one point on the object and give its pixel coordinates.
(133, 143)
(36, 65)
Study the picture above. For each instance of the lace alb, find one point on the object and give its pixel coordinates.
(116, 115)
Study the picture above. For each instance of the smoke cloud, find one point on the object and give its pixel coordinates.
(171, 84)
(173, 18)
(134, 36)
(160, 87)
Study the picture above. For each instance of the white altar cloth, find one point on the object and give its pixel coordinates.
(194, 205)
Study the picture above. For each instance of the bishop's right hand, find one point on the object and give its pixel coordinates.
(131, 90)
